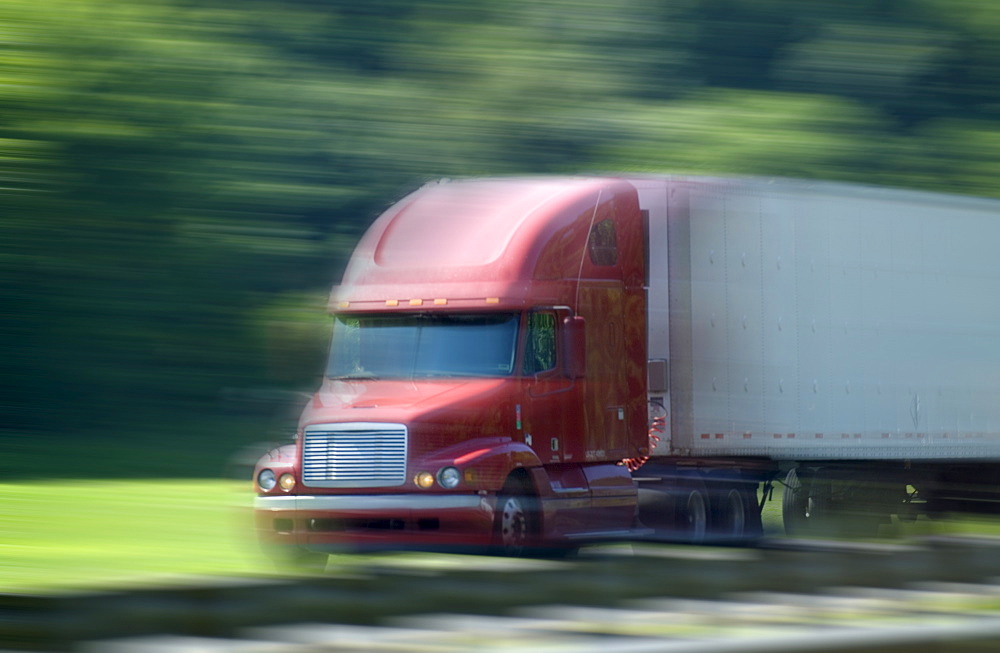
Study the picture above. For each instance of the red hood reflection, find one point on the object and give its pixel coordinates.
(443, 411)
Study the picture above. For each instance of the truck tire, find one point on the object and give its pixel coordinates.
(694, 515)
(733, 515)
(516, 526)
(512, 525)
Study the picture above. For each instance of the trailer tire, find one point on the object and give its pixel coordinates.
(794, 503)
(805, 503)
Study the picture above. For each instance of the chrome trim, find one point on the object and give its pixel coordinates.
(371, 502)
(354, 455)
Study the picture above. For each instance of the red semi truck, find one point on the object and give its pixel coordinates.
(537, 362)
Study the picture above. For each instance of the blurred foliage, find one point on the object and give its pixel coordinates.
(181, 180)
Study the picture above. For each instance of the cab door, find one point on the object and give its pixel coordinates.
(552, 410)
(554, 418)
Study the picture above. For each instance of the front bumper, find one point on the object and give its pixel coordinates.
(330, 523)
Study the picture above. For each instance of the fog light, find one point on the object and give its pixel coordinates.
(266, 480)
(286, 481)
(424, 480)
(449, 477)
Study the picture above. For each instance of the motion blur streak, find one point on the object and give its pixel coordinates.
(181, 182)
(178, 176)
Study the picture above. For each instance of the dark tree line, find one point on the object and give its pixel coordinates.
(182, 180)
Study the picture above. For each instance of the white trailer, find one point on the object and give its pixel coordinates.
(851, 334)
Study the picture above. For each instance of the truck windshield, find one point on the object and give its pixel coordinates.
(425, 345)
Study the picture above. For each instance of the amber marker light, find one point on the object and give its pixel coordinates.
(440, 302)
(416, 302)
(492, 300)
(286, 482)
(343, 305)
(392, 302)
(424, 480)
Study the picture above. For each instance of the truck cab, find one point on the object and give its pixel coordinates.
(486, 378)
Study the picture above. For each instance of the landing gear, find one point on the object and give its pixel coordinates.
(839, 502)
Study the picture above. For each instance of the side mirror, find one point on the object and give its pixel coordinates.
(574, 347)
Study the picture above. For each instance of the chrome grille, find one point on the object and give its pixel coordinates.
(354, 455)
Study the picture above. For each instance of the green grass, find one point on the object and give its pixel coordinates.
(68, 534)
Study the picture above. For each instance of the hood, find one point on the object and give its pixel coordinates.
(398, 400)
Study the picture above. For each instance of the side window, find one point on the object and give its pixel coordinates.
(603, 243)
(540, 351)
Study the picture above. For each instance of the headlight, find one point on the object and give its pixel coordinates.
(266, 480)
(286, 481)
(449, 477)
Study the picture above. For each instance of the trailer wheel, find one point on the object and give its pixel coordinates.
(803, 505)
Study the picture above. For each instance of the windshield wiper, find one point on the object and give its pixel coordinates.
(355, 376)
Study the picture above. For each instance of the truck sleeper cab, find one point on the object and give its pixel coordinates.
(486, 377)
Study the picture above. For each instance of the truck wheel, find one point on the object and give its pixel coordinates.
(513, 525)
(733, 518)
(736, 514)
(516, 526)
(694, 514)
